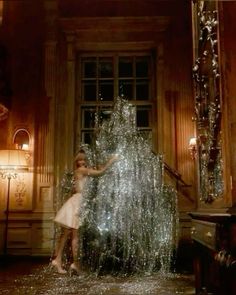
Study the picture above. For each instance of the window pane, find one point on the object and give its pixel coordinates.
(142, 89)
(106, 68)
(89, 68)
(146, 134)
(104, 114)
(87, 138)
(88, 118)
(142, 118)
(107, 90)
(89, 90)
(125, 67)
(126, 88)
(142, 67)
(105, 76)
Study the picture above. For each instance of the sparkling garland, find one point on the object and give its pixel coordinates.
(130, 216)
(206, 76)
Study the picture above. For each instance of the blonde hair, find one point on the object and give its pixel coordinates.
(80, 155)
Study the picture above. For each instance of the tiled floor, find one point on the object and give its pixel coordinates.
(31, 276)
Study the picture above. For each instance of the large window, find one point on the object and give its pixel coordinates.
(102, 78)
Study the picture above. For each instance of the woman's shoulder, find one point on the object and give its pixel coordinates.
(81, 172)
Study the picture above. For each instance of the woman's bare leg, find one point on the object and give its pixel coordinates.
(57, 262)
(75, 246)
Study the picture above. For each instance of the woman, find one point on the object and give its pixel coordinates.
(69, 214)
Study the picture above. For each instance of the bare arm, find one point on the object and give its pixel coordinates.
(97, 172)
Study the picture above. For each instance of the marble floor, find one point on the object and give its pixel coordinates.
(34, 276)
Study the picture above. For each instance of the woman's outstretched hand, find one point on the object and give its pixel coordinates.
(114, 158)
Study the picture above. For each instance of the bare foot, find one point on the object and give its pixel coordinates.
(58, 267)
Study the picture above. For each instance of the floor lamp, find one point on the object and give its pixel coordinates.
(12, 162)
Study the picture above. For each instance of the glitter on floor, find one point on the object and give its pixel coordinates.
(23, 278)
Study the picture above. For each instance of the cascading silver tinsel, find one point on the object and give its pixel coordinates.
(130, 215)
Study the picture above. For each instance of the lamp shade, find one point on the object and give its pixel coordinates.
(192, 141)
(13, 160)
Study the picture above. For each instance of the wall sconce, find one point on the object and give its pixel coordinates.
(21, 141)
(3, 110)
(192, 146)
(11, 163)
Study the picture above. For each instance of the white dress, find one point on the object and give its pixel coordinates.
(69, 214)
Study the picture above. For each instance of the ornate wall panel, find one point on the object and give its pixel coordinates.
(208, 101)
